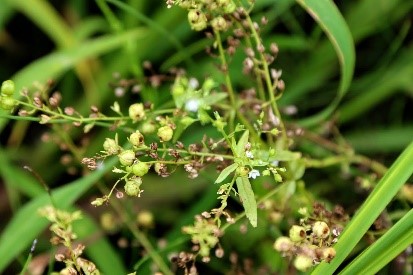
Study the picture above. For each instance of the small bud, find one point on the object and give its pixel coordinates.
(126, 157)
(321, 230)
(266, 172)
(165, 133)
(275, 132)
(219, 24)
(277, 177)
(197, 19)
(98, 202)
(140, 169)
(136, 112)
(111, 146)
(303, 263)
(219, 252)
(148, 128)
(208, 84)
(7, 88)
(328, 254)
(145, 219)
(297, 233)
(136, 139)
(132, 187)
(230, 7)
(283, 244)
(108, 221)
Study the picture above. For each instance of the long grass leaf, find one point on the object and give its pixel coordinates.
(332, 22)
(47, 18)
(383, 193)
(385, 249)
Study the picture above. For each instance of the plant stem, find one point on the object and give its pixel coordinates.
(230, 90)
(270, 86)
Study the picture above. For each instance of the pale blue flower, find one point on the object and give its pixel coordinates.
(253, 174)
(249, 154)
(192, 105)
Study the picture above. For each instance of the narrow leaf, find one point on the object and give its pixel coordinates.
(391, 244)
(382, 194)
(248, 199)
(332, 22)
(241, 143)
(225, 173)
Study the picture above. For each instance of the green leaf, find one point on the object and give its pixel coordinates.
(332, 22)
(248, 199)
(388, 247)
(240, 149)
(225, 173)
(382, 194)
(18, 178)
(26, 225)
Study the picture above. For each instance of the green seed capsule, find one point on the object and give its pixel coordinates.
(165, 133)
(7, 88)
(140, 169)
(7, 103)
(127, 157)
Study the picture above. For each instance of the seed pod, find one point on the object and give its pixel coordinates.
(140, 169)
(321, 230)
(297, 233)
(197, 19)
(303, 263)
(132, 187)
(111, 147)
(136, 112)
(127, 157)
(7, 88)
(165, 133)
(136, 139)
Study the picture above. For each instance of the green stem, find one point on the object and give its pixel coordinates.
(230, 90)
(269, 83)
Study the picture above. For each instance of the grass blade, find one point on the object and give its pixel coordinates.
(391, 244)
(332, 22)
(383, 193)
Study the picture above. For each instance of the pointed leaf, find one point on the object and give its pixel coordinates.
(225, 173)
(332, 22)
(241, 143)
(248, 199)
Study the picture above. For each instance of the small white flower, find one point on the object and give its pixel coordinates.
(253, 174)
(193, 83)
(249, 154)
(192, 105)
